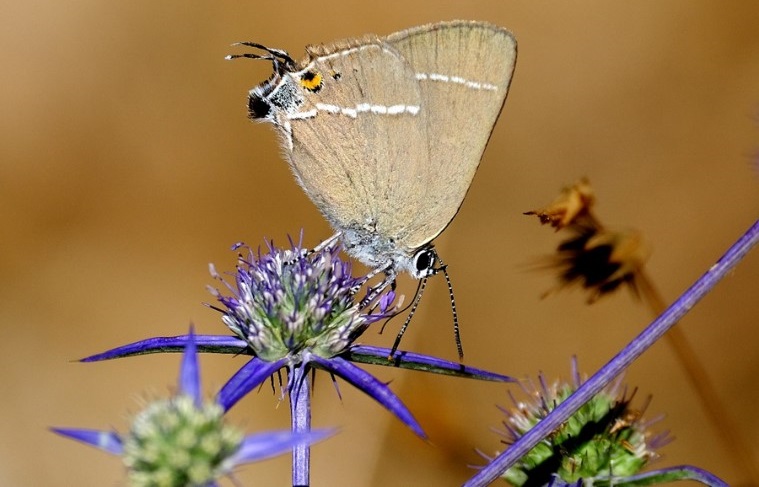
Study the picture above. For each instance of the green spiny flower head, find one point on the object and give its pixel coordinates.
(183, 441)
(606, 437)
(174, 443)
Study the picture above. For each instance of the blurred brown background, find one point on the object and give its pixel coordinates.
(127, 164)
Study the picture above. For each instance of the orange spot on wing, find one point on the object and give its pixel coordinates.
(312, 81)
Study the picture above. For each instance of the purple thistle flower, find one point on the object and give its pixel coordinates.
(183, 441)
(284, 304)
(297, 310)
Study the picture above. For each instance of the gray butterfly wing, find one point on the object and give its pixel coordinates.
(464, 70)
(359, 142)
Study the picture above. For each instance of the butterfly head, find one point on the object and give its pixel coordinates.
(286, 88)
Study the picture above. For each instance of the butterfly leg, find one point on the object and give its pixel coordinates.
(431, 270)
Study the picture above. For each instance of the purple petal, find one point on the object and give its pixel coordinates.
(250, 376)
(204, 343)
(267, 445)
(369, 384)
(416, 361)
(107, 441)
(189, 373)
(386, 301)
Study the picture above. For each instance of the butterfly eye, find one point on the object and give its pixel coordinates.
(258, 107)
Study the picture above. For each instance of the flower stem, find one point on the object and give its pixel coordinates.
(701, 384)
(620, 362)
(656, 477)
(300, 414)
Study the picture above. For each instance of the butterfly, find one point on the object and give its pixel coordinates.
(384, 134)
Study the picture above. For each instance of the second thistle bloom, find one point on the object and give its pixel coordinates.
(184, 441)
(285, 302)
